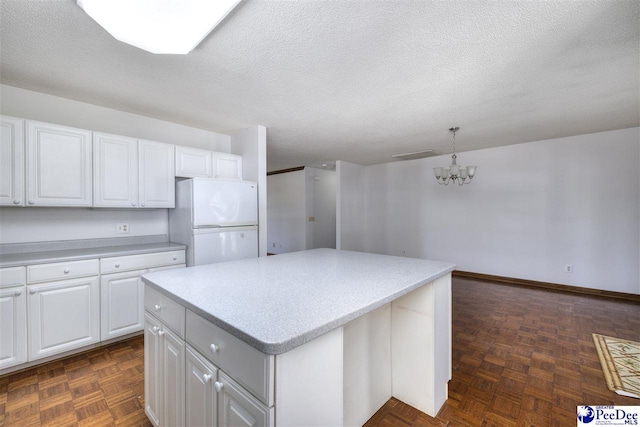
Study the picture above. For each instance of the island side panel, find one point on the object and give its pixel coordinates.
(309, 386)
(420, 356)
(443, 332)
(367, 365)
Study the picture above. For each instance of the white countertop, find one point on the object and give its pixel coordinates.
(277, 303)
(63, 254)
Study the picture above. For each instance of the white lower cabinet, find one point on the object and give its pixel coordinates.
(164, 356)
(13, 333)
(13, 317)
(122, 294)
(63, 316)
(122, 304)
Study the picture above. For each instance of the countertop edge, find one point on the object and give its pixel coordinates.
(271, 348)
(33, 258)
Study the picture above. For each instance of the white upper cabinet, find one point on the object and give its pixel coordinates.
(59, 165)
(11, 161)
(156, 174)
(227, 166)
(193, 163)
(115, 167)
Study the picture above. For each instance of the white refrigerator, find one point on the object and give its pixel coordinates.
(217, 220)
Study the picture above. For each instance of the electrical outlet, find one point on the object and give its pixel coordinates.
(568, 268)
(122, 228)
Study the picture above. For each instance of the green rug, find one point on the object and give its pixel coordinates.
(620, 361)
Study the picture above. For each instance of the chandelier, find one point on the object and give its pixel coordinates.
(460, 174)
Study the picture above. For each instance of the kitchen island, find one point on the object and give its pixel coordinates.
(320, 337)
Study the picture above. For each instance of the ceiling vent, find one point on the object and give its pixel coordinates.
(414, 155)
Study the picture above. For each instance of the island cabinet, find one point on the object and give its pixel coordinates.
(272, 342)
(164, 356)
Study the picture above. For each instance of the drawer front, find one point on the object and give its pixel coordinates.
(165, 309)
(62, 270)
(137, 262)
(251, 368)
(13, 276)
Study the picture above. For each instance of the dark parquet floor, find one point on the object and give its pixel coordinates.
(521, 357)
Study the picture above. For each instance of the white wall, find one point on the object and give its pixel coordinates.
(320, 194)
(351, 206)
(293, 198)
(53, 109)
(531, 209)
(251, 144)
(20, 225)
(286, 212)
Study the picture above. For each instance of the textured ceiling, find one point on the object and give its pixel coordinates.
(353, 80)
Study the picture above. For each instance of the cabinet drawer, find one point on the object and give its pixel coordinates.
(251, 368)
(62, 270)
(165, 309)
(137, 262)
(12, 276)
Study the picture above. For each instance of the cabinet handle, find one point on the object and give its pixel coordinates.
(206, 378)
(157, 307)
(66, 271)
(175, 257)
(142, 204)
(218, 386)
(32, 202)
(18, 293)
(154, 329)
(133, 204)
(161, 333)
(117, 265)
(16, 202)
(32, 291)
(214, 348)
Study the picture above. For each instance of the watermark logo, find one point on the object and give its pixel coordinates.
(589, 416)
(586, 414)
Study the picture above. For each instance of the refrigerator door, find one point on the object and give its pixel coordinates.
(224, 203)
(211, 245)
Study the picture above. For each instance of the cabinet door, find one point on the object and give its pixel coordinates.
(236, 407)
(193, 162)
(115, 171)
(152, 369)
(63, 316)
(11, 161)
(227, 166)
(156, 174)
(13, 333)
(59, 166)
(200, 395)
(121, 304)
(172, 378)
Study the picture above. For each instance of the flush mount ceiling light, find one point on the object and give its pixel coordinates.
(460, 174)
(159, 26)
